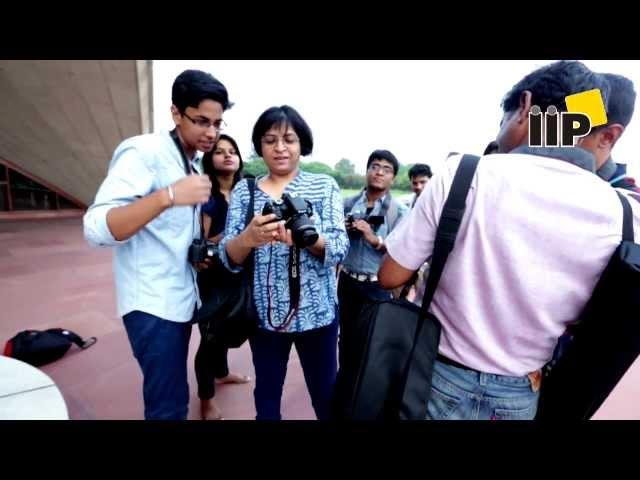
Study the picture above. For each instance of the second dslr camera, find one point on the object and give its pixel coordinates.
(350, 218)
(201, 249)
(295, 211)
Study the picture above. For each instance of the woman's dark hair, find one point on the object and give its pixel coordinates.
(282, 116)
(209, 169)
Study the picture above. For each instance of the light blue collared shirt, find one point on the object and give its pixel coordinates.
(150, 269)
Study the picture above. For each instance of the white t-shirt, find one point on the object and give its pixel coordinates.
(536, 235)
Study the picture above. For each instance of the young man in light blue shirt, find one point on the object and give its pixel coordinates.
(148, 209)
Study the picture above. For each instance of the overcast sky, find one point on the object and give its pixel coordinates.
(418, 109)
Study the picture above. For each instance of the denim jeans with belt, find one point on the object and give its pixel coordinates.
(461, 394)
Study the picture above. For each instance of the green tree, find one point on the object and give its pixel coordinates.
(317, 167)
(255, 165)
(402, 181)
(345, 167)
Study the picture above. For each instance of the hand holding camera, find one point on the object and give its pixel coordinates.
(191, 190)
(359, 224)
(295, 212)
(263, 229)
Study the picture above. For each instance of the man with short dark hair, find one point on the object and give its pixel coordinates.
(147, 208)
(419, 175)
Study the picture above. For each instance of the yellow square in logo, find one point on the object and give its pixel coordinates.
(590, 103)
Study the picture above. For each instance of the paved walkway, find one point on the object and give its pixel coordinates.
(49, 277)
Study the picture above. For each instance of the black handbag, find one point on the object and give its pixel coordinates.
(397, 340)
(37, 347)
(228, 314)
(604, 342)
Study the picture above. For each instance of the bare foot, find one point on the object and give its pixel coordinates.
(233, 378)
(209, 410)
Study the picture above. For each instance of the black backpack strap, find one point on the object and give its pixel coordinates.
(251, 185)
(449, 225)
(74, 337)
(627, 219)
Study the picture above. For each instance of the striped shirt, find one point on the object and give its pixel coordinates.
(318, 297)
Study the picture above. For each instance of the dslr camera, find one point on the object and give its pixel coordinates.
(295, 211)
(350, 218)
(201, 249)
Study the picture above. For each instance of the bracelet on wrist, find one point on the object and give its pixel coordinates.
(172, 196)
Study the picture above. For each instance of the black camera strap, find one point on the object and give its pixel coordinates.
(294, 288)
(188, 170)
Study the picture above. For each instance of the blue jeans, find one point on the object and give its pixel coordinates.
(317, 352)
(459, 394)
(161, 348)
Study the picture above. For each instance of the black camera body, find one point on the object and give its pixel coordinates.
(201, 249)
(296, 213)
(374, 220)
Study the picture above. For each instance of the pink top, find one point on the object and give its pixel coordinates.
(536, 235)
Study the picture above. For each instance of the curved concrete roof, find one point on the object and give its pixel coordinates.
(61, 120)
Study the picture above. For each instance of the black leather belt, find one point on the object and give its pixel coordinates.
(453, 363)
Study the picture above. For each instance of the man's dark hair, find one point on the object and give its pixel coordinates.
(622, 99)
(282, 116)
(420, 170)
(491, 148)
(193, 86)
(209, 169)
(384, 155)
(549, 85)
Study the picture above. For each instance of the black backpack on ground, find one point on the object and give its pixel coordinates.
(38, 348)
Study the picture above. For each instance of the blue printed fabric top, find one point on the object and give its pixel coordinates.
(318, 296)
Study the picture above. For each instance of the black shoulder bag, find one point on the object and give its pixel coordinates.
(229, 314)
(605, 340)
(398, 341)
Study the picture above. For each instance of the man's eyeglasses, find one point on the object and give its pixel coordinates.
(376, 167)
(205, 124)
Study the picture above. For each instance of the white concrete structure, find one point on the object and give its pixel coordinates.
(60, 120)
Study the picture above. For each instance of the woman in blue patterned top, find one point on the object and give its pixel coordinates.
(280, 136)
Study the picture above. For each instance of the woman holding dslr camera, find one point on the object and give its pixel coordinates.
(294, 261)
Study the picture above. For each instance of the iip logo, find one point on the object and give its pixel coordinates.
(585, 110)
